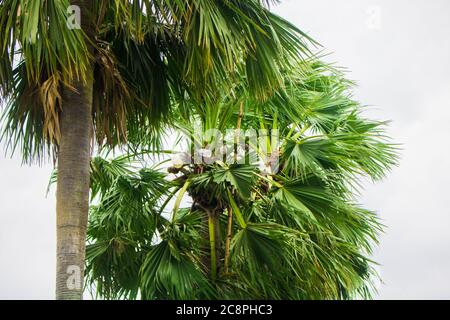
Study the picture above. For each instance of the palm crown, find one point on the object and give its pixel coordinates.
(282, 223)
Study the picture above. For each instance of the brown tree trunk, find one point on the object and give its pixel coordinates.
(72, 193)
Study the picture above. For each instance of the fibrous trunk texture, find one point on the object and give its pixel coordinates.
(72, 195)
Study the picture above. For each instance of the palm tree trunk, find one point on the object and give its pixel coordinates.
(72, 195)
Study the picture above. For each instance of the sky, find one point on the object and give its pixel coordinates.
(398, 51)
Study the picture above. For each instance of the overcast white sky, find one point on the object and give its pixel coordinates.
(399, 53)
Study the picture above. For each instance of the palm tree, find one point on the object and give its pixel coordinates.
(114, 79)
(279, 224)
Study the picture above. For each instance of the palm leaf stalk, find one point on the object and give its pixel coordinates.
(212, 224)
(228, 240)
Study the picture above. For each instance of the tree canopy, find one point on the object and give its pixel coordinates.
(296, 229)
(146, 54)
